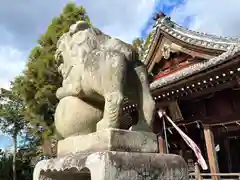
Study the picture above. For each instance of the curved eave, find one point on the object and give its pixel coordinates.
(195, 69)
(154, 42)
(196, 41)
(192, 46)
(214, 42)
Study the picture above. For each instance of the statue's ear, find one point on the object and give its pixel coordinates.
(97, 31)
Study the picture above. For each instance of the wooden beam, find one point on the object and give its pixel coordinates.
(212, 156)
(208, 90)
(197, 172)
(190, 52)
(198, 76)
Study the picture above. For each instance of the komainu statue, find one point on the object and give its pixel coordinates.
(98, 73)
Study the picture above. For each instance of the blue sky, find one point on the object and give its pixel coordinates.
(161, 6)
(22, 23)
(5, 141)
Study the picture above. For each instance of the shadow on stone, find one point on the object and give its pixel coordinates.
(70, 174)
(84, 174)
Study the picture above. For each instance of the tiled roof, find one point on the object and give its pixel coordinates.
(204, 40)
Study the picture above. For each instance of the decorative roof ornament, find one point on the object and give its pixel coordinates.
(158, 16)
(166, 51)
(163, 18)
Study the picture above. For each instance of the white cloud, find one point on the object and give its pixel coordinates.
(211, 16)
(12, 63)
(123, 19)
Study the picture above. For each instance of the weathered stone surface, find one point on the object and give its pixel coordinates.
(101, 71)
(110, 140)
(70, 114)
(113, 166)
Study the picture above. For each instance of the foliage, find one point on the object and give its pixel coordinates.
(5, 166)
(40, 80)
(138, 45)
(11, 118)
(141, 45)
(148, 41)
(24, 166)
(11, 113)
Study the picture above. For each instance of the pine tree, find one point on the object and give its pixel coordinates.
(141, 45)
(138, 45)
(40, 80)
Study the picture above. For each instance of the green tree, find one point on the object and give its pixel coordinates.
(24, 165)
(5, 165)
(11, 118)
(40, 80)
(141, 45)
(147, 41)
(138, 45)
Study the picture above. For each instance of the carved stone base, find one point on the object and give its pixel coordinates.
(109, 140)
(113, 165)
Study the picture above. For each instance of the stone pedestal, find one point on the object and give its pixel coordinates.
(110, 140)
(113, 165)
(110, 160)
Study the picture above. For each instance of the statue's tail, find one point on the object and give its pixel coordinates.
(147, 104)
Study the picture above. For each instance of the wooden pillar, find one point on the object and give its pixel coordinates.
(161, 143)
(197, 172)
(212, 157)
(158, 129)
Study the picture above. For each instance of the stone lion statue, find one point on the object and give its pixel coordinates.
(98, 73)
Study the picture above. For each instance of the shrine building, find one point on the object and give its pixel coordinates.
(195, 77)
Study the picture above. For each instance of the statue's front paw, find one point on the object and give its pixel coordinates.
(105, 124)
